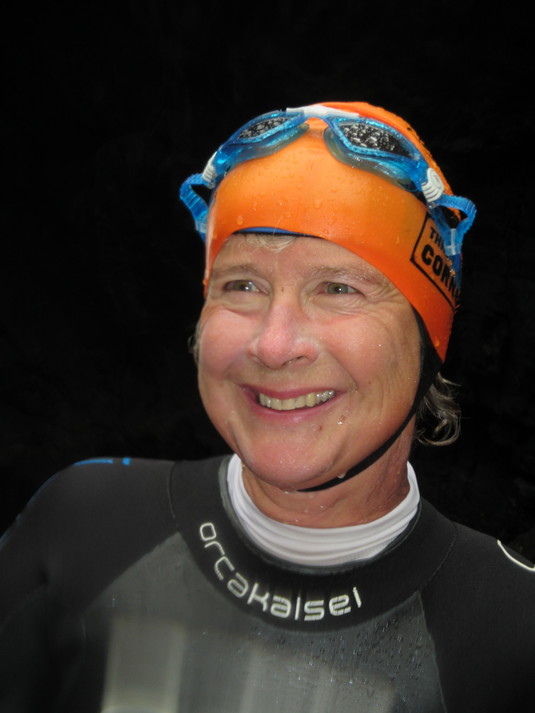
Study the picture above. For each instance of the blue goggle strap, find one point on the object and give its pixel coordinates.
(453, 237)
(196, 205)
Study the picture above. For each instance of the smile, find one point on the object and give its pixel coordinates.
(310, 400)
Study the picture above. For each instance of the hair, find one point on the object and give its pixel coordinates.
(438, 417)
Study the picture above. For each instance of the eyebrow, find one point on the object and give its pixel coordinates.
(343, 272)
(244, 267)
(332, 272)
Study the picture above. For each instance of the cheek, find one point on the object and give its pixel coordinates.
(221, 342)
(214, 357)
(380, 351)
(401, 362)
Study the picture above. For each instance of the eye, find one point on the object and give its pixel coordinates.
(339, 288)
(241, 286)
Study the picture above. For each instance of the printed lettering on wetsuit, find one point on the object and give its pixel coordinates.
(255, 594)
(429, 257)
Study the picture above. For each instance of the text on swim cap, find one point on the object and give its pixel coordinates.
(429, 257)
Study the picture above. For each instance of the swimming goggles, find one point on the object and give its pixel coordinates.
(360, 141)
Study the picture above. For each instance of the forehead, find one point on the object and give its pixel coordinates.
(301, 253)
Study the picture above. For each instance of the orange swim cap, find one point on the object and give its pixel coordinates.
(303, 189)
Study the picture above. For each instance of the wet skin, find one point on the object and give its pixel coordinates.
(309, 318)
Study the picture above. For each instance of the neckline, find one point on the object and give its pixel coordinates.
(317, 546)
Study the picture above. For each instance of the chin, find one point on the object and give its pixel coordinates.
(291, 474)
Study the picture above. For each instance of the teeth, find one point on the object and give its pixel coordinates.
(307, 400)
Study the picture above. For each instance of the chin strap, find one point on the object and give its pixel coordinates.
(431, 364)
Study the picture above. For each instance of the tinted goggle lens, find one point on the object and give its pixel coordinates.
(365, 135)
(261, 129)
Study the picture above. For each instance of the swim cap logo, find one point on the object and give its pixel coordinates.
(429, 257)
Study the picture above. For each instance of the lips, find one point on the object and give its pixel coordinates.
(304, 401)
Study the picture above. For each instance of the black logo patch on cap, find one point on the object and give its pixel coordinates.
(429, 257)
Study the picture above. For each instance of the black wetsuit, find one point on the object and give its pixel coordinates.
(129, 586)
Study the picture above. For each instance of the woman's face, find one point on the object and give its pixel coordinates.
(309, 358)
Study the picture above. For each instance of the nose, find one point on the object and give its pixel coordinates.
(284, 337)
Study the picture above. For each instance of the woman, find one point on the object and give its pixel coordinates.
(304, 572)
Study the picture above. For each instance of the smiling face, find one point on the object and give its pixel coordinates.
(309, 358)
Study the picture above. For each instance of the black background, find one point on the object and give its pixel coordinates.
(111, 107)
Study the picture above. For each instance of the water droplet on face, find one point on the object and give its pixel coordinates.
(239, 220)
